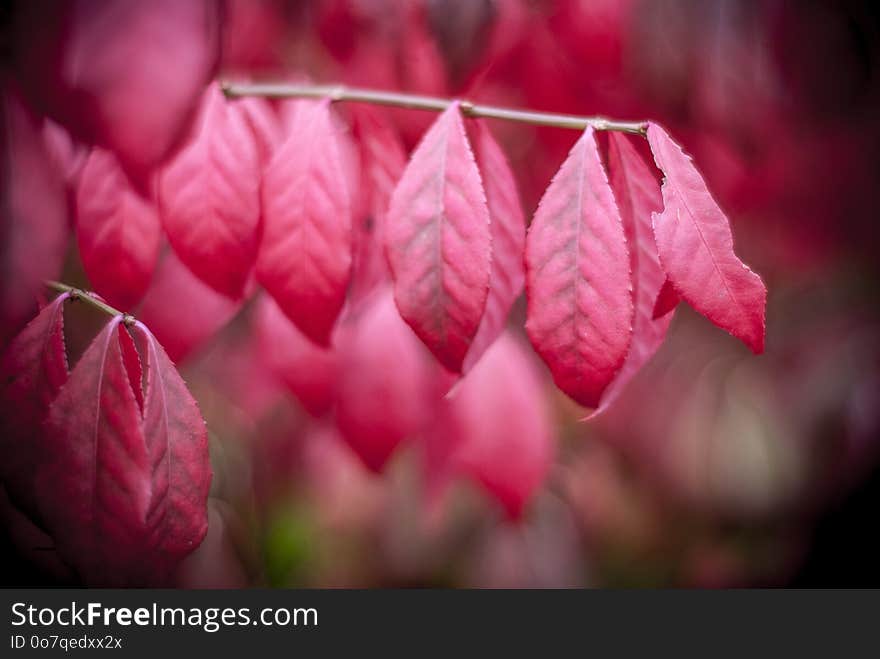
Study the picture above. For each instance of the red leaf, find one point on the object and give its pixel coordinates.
(124, 75)
(131, 359)
(667, 300)
(33, 369)
(438, 241)
(696, 248)
(181, 310)
(209, 197)
(383, 160)
(94, 487)
(177, 442)
(117, 230)
(305, 258)
(33, 216)
(506, 435)
(386, 395)
(508, 228)
(580, 302)
(309, 371)
(637, 193)
(124, 493)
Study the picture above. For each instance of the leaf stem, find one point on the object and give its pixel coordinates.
(89, 298)
(337, 93)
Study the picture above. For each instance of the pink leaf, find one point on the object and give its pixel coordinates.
(506, 435)
(181, 310)
(386, 394)
(696, 248)
(124, 75)
(638, 195)
(117, 230)
(33, 370)
(305, 259)
(580, 301)
(508, 228)
(33, 216)
(123, 491)
(438, 241)
(310, 372)
(209, 197)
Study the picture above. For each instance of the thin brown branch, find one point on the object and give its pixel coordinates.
(337, 93)
(88, 298)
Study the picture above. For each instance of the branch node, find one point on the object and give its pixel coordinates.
(336, 93)
(79, 294)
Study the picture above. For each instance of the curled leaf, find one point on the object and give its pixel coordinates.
(696, 248)
(123, 488)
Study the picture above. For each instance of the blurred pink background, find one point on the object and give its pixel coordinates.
(716, 468)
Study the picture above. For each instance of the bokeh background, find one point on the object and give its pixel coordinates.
(716, 468)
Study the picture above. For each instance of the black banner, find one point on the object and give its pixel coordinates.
(328, 622)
